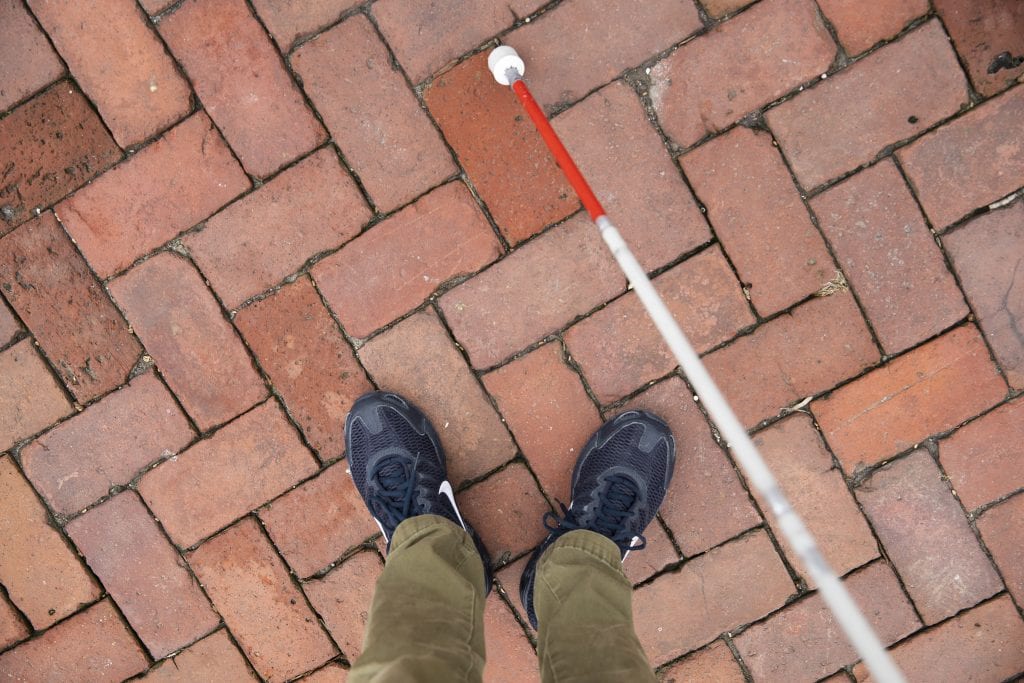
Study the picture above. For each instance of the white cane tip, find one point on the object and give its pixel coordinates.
(503, 58)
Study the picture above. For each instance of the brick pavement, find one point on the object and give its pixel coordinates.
(222, 221)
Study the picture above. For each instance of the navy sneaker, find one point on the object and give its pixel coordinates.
(398, 465)
(618, 484)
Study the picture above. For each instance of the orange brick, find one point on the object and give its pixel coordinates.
(343, 599)
(418, 360)
(739, 66)
(77, 463)
(519, 301)
(729, 586)
(288, 20)
(92, 645)
(1003, 534)
(162, 190)
(244, 464)
(713, 663)
(910, 507)
(50, 146)
(41, 574)
(987, 255)
(319, 521)
(888, 96)
(392, 268)
(760, 218)
(981, 31)
(897, 406)
(27, 62)
(261, 606)
(214, 658)
(633, 175)
(195, 348)
(796, 355)
(119, 62)
(983, 459)
(706, 503)
(548, 410)
(143, 573)
(12, 628)
(30, 398)
(371, 113)
(266, 236)
(967, 164)
(308, 361)
(619, 349)
(889, 257)
(510, 656)
(239, 77)
(803, 641)
(503, 154)
(796, 455)
(858, 30)
(506, 510)
(49, 284)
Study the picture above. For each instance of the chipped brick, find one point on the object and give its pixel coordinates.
(981, 31)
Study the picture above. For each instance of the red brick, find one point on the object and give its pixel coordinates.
(9, 326)
(343, 599)
(910, 507)
(890, 257)
(247, 462)
(78, 462)
(167, 187)
(404, 259)
(427, 34)
(332, 673)
(316, 523)
(288, 20)
(261, 606)
(374, 118)
(929, 390)
(719, 8)
(613, 34)
(983, 459)
(242, 82)
(794, 356)
(760, 218)
(111, 49)
(214, 658)
(143, 573)
(30, 398)
(626, 163)
(503, 154)
(981, 31)
(48, 283)
(888, 96)
(49, 146)
(1003, 533)
(27, 62)
(859, 29)
(195, 348)
(619, 349)
(980, 645)
(739, 66)
(532, 293)
(729, 586)
(417, 359)
(987, 254)
(544, 403)
(970, 162)
(506, 511)
(510, 656)
(12, 629)
(261, 239)
(93, 645)
(308, 361)
(655, 556)
(706, 503)
(41, 574)
(713, 663)
(796, 455)
(803, 642)
(154, 7)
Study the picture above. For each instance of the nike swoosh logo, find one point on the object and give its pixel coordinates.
(446, 490)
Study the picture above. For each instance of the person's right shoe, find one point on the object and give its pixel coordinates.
(618, 484)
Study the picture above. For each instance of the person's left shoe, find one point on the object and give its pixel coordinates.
(398, 466)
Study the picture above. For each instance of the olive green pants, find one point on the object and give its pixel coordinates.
(426, 622)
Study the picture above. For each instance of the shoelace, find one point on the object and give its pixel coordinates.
(611, 519)
(396, 486)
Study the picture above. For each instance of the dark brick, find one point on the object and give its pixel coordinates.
(983, 459)
(30, 398)
(981, 31)
(343, 599)
(27, 62)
